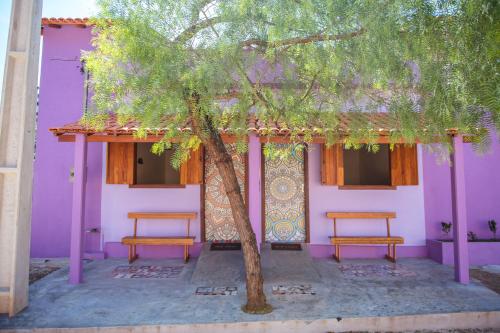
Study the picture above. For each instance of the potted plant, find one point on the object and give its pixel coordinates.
(482, 251)
(492, 225)
(471, 236)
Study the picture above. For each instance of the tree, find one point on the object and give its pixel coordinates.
(432, 64)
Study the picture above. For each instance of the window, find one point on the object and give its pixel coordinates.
(152, 169)
(362, 167)
(133, 164)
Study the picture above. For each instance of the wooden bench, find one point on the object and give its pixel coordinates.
(391, 241)
(133, 241)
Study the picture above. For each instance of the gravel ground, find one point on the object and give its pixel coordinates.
(489, 279)
(40, 268)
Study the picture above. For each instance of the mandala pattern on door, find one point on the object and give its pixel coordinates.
(284, 198)
(219, 222)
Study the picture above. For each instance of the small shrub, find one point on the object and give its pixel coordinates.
(471, 236)
(446, 227)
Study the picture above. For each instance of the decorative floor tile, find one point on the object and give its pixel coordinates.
(216, 291)
(299, 289)
(147, 272)
(359, 270)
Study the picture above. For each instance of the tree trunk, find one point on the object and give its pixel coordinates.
(212, 141)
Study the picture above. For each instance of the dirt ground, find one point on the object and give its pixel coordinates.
(40, 268)
(489, 279)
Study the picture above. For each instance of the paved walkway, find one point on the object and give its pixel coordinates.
(354, 288)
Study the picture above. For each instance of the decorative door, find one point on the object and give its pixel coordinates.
(284, 197)
(219, 222)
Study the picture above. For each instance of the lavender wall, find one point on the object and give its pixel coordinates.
(118, 200)
(61, 95)
(482, 185)
(406, 201)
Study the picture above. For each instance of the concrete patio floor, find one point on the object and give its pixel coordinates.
(104, 301)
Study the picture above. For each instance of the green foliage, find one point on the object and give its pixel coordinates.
(432, 64)
(446, 227)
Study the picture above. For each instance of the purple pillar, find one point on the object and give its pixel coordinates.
(254, 193)
(78, 209)
(461, 251)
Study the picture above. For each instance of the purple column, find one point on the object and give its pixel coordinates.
(254, 190)
(461, 251)
(78, 209)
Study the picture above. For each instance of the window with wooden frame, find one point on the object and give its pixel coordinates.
(366, 168)
(153, 169)
(134, 164)
(363, 169)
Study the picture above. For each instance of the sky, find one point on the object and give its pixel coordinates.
(51, 8)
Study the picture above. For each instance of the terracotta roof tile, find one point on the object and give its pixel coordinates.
(65, 21)
(380, 122)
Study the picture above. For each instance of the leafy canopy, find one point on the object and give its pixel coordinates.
(432, 64)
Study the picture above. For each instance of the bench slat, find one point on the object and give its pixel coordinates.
(361, 215)
(170, 240)
(367, 240)
(162, 215)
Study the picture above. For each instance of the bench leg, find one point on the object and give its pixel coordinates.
(389, 256)
(132, 253)
(186, 253)
(336, 254)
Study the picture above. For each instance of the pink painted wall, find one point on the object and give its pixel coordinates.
(118, 200)
(482, 185)
(60, 102)
(419, 208)
(406, 201)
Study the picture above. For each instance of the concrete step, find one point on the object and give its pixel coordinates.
(218, 268)
(288, 267)
(223, 268)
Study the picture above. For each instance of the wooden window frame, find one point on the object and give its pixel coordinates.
(126, 158)
(403, 168)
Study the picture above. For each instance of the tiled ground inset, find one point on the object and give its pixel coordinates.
(368, 270)
(147, 272)
(216, 291)
(299, 289)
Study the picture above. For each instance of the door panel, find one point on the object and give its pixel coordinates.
(219, 222)
(284, 197)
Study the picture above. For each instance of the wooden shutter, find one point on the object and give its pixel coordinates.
(404, 165)
(332, 165)
(191, 171)
(120, 163)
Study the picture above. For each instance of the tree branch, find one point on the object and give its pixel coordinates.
(302, 40)
(195, 28)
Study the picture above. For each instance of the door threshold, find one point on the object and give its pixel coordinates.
(286, 246)
(225, 246)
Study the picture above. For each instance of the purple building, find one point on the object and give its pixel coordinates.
(99, 178)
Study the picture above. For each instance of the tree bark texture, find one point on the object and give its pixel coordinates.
(212, 141)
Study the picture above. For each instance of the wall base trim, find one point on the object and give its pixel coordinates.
(367, 251)
(117, 250)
